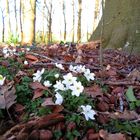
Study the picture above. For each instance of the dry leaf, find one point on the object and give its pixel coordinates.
(38, 93)
(46, 135)
(31, 57)
(93, 91)
(48, 101)
(126, 115)
(7, 96)
(37, 85)
(107, 136)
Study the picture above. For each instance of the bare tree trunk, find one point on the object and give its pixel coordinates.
(49, 19)
(29, 22)
(15, 8)
(96, 14)
(73, 23)
(43, 16)
(79, 21)
(65, 24)
(21, 9)
(8, 25)
(3, 24)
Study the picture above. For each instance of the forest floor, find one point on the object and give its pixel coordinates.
(60, 92)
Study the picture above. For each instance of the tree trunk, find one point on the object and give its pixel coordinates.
(73, 23)
(121, 25)
(96, 13)
(15, 8)
(64, 14)
(8, 25)
(49, 20)
(43, 16)
(29, 22)
(20, 18)
(3, 25)
(79, 21)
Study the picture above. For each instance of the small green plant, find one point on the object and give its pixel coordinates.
(72, 103)
(57, 134)
(23, 91)
(12, 39)
(50, 75)
(70, 135)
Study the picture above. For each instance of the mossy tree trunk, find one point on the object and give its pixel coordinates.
(121, 25)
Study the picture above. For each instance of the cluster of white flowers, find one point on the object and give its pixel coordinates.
(2, 79)
(81, 69)
(8, 52)
(38, 75)
(69, 82)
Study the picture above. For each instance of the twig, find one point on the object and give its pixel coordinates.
(118, 83)
(43, 56)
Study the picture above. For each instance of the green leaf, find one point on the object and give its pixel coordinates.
(130, 95)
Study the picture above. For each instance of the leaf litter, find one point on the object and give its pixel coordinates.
(115, 94)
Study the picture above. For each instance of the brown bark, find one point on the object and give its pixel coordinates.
(121, 25)
(29, 22)
(49, 20)
(8, 25)
(79, 21)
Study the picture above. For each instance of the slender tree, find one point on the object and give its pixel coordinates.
(64, 15)
(8, 25)
(43, 21)
(79, 21)
(20, 18)
(3, 23)
(29, 22)
(15, 9)
(49, 7)
(73, 22)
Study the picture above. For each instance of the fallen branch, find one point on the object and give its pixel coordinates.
(124, 83)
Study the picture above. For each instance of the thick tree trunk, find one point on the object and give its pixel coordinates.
(121, 25)
(29, 22)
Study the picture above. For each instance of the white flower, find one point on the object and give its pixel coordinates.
(25, 62)
(59, 99)
(60, 66)
(56, 75)
(77, 88)
(88, 112)
(5, 50)
(88, 75)
(69, 79)
(47, 83)
(27, 49)
(72, 68)
(37, 75)
(59, 86)
(6, 55)
(80, 69)
(2, 79)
